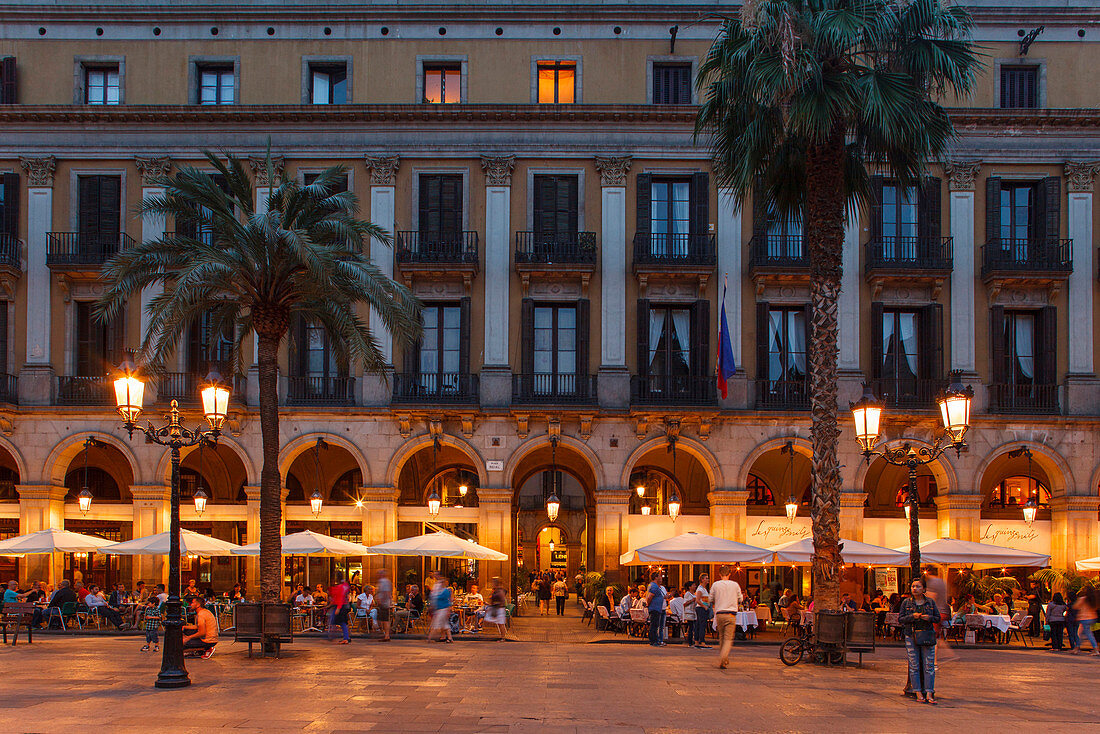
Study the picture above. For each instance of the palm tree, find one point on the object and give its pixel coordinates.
(253, 270)
(802, 97)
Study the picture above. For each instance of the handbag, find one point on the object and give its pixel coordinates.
(924, 638)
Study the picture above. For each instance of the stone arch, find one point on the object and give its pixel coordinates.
(531, 445)
(414, 444)
(164, 468)
(801, 445)
(307, 441)
(57, 462)
(942, 469)
(1052, 463)
(17, 457)
(705, 458)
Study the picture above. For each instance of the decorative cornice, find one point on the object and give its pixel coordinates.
(383, 169)
(613, 497)
(39, 170)
(258, 163)
(853, 499)
(153, 169)
(498, 169)
(728, 497)
(494, 496)
(151, 493)
(612, 170)
(1079, 176)
(959, 502)
(961, 174)
(379, 494)
(1074, 504)
(40, 492)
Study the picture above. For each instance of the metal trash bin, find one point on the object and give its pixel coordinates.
(830, 628)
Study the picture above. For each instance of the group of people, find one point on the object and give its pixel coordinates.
(547, 586)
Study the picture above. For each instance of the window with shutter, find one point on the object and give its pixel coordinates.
(554, 349)
(99, 346)
(328, 83)
(8, 80)
(1019, 86)
(672, 83)
(781, 355)
(556, 214)
(99, 213)
(669, 217)
(440, 211)
(9, 207)
(440, 352)
(4, 336)
(902, 361)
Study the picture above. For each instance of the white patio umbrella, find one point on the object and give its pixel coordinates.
(958, 553)
(191, 543)
(695, 547)
(51, 540)
(800, 552)
(309, 543)
(438, 545)
(1089, 564)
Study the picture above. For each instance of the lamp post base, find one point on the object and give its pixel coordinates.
(173, 673)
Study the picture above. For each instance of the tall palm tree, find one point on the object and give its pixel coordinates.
(250, 270)
(802, 97)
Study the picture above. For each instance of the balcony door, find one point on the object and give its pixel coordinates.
(440, 210)
(208, 351)
(99, 346)
(442, 358)
(555, 348)
(672, 216)
(673, 347)
(669, 216)
(556, 210)
(314, 365)
(99, 214)
(1023, 219)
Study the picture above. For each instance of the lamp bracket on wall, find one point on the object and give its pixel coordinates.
(1029, 38)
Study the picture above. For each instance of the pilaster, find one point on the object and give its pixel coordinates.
(729, 514)
(612, 530)
(152, 515)
(1073, 530)
(383, 182)
(41, 507)
(730, 250)
(851, 515)
(496, 375)
(494, 530)
(959, 516)
(153, 172)
(379, 521)
(961, 177)
(614, 380)
(36, 378)
(1082, 387)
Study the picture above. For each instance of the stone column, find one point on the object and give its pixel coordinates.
(376, 389)
(961, 177)
(1073, 530)
(36, 378)
(612, 530)
(496, 371)
(730, 249)
(41, 507)
(1082, 387)
(152, 515)
(152, 228)
(379, 526)
(614, 378)
(851, 515)
(494, 530)
(729, 514)
(959, 516)
(252, 535)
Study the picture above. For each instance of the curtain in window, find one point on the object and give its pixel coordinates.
(656, 328)
(1025, 349)
(908, 336)
(775, 345)
(796, 335)
(681, 322)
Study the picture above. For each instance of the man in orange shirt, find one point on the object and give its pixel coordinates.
(205, 637)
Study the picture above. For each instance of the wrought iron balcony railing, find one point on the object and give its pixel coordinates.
(1028, 256)
(1024, 399)
(80, 248)
(673, 390)
(777, 251)
(653, 248)
(435, 387)
(422, 248)
(911, 253)
(548, 388)
(78, 390)
(782, 394)
(11, 252)
(570, 248)
(320, 390)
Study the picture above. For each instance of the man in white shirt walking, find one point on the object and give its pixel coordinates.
(725, 598)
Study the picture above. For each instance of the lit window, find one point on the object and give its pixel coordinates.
(216, 85)
(557, 82)
(443, 83)
(102, 86)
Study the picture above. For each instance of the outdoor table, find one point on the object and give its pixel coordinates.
(747, 619)
(999, 622)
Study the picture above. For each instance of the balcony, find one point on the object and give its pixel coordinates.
(910, 255)
(452, 388)
(904, 393)
(75, 390)
(434, 255)
(655, 251)
(1024, 399)
(673, 390)
(83, 250)
(782, 394)
(11, 253)
(777, 252)
(183, 387)
(9, 389)
(537, 503)
(550, 389)
(1039, 261)
(572, 248)
(320, 391)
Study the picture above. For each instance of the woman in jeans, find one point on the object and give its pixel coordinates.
(1085, 606)
(918, 613)
(702, 611)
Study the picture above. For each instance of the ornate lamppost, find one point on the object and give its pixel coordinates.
(129, 396)
(954, 406)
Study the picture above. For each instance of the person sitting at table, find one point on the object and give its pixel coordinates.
(236, 593)
(794, 609)
(867, 606)
(162, 593)
(476, 601)
(319, 595)
(205, 635)
(785, 599)
(997, 606)
(638, 600)
(98, 605)
(846, 603)
(64, 595)
(118, 597)
(627, 603)
(191, 589)
(11, 593)
(414, 606)
(365, 606)
(81, 592)
(141, 592)
(299, 597)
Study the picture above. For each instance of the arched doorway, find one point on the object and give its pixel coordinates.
(221, 475)
(9, 526)
(106, 473)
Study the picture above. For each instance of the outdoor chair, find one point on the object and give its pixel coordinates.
(892, 625)
(1017, 628)
(66, 611)
(615, 624)
(978, 624)
(588, 613)
(792, 623)
(639, 622)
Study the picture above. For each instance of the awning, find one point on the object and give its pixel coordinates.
(695, 548)
(309, 543)
(800, 552)
(52, 541)
(438, 545)
(191, 543)
(951, 552)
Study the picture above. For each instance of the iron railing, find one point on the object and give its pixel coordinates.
(538, 503)
(782, 394)
(652, 248)
(673, 390)
(777, 251)
(81, 248)
(904, 392)
(1028, 256)
(434, 387)
(11, 251)
(545, 387)
(77, 390)
(918, 253)
(539, 248)
(453, 248)
(1023, 399)
(320, 390)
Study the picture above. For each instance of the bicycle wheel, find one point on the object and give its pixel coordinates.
(790, 652)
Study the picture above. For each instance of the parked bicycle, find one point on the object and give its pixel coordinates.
(792, 650)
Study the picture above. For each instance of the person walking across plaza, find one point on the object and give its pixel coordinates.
(561, 593)
(689, 613)
(1085, 606)
(725, 599)
(702, 611)
(496, 614)
(442, 601)
(151, 623)
(544, 593)
(383, 602)
(655, 602)
(339, 606)
(936, 590)
(917, 616)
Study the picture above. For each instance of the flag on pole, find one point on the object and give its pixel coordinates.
(726, 366)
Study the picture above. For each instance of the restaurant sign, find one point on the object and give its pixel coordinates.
(559, 559)
(1017, 534)
(769, 532)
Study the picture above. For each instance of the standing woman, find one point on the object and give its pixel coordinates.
(496, 614)
(1085, 606)
(702, 611)
(918, 612)
(1056, 618)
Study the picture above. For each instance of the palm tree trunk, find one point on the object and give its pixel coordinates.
(271, 512)
(824, 245)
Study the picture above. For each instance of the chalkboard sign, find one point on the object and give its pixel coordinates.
(558, 559)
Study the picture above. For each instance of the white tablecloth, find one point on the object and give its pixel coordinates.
(999, 622)
(744, 620)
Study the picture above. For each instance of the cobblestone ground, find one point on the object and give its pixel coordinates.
(63, 683)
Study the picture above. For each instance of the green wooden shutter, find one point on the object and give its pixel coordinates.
(527, 340)
(9, 213)
(699, 211)
(583, 342)
(763, 338)
(643, 197)
(993, 209)
(931, 341)
(929, 215)
(997, 345)
(464, 336)
(875, 204)
(700, 343)
(643, 336)
(1046, 343)
(877, 355)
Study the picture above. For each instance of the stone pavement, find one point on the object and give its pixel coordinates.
(105, 684)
